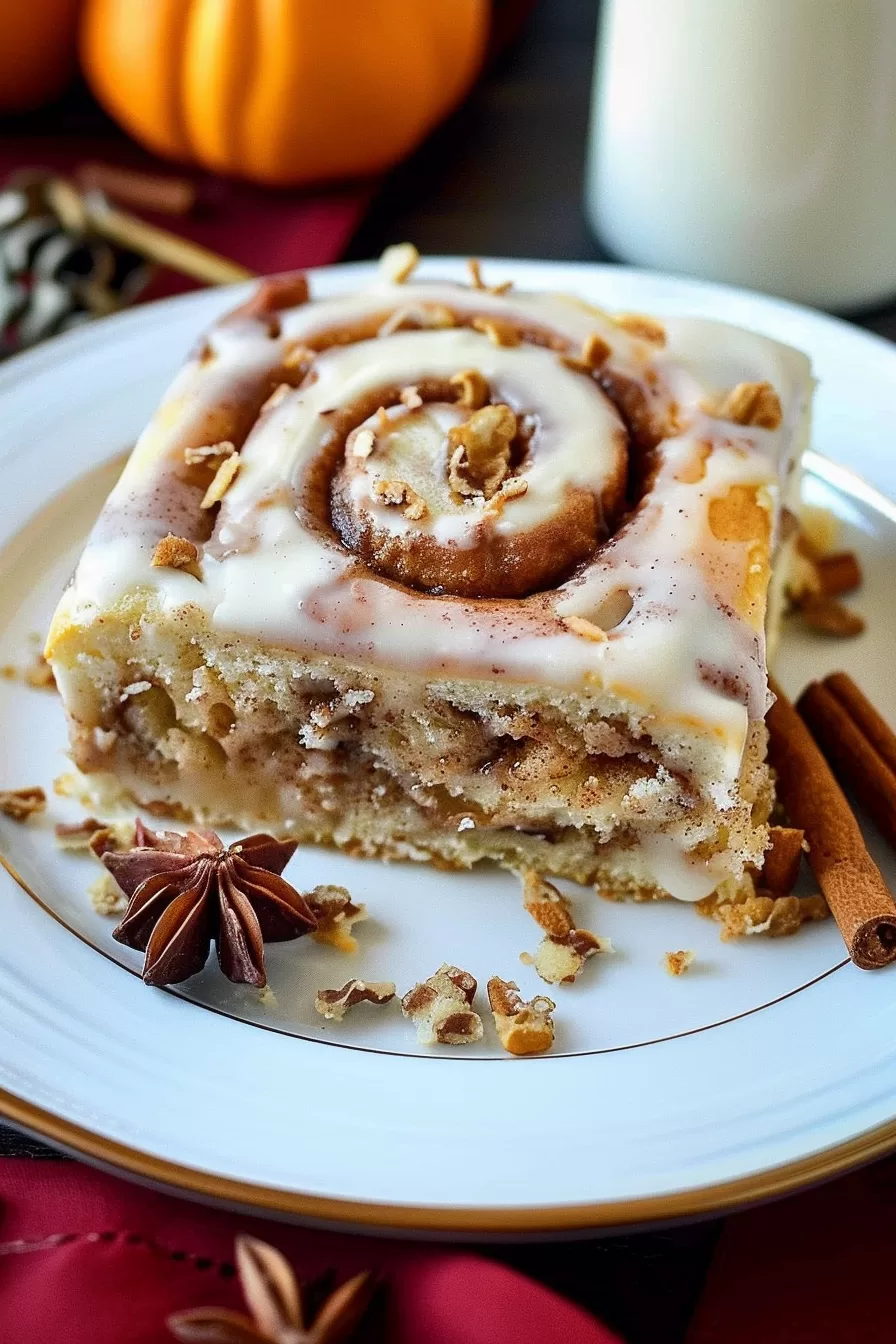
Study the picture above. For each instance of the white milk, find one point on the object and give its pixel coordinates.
(750, 141)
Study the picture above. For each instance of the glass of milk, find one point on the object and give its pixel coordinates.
(750, 141)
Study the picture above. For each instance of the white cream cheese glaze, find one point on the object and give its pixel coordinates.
(685, 651)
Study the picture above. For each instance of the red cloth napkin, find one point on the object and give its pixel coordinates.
(86, 1258)
(265, 230)
(813, 1269)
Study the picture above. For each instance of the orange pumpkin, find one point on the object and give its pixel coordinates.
(282, 91)
(37, 51)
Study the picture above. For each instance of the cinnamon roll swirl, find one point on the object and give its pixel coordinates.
(449, 572)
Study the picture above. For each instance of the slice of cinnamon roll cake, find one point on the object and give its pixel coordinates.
(449, 572)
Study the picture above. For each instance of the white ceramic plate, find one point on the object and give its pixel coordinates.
(770, 1064)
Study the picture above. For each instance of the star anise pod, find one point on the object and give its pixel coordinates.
(278, 1313)
(186, 890)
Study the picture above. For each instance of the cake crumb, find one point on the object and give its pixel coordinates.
(749, 913)
(335, 1003)
(677, 963)
(39, 674)
(106, 896)
(21, 804)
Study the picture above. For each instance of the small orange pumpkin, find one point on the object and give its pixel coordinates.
(37, 51)
(282, 91)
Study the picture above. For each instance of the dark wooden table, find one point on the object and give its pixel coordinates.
(504, 177)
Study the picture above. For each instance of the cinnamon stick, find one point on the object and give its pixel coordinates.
(849, 878)
(838, 573)
(862, 712)
(138, 190)
(851, 755)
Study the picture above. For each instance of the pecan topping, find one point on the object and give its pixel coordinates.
(594, 355)
(473, 391)
(410, 397)
(399, 492)
(363, 443)
(335, 912)
(20, 804)
(479, 451)
(475, 270)
(335, 1003)
(185, 890)
(417, 316)
(209, 454)
(278, 1310)
(222, 481)
(474, 266)
(523, 1028)
(645, 328)
(441, 1008)
(565, 949)
(95, 836)
(498, 332)
(585, 629)
(176, 553)
(399, 262)
(752, 404)
(676, 963)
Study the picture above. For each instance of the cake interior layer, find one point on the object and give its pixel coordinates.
(224, 731)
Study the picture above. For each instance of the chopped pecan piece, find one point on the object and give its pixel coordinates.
(645, 328)
(677, 963)
(400, 493)
(363, 443)
(755, 404)
(336, 913)
(564, 951)
(473, 389)
(176, 553)
(20, 804)
(297, 356)
(594, 354)
(222, 481)
(498, 332)
(585, 629)
(417, 316)
(523, 1028)
(399, 262)
(410, 397)
(209, 454)
(335, 1003)
(441, 1008)
(479, 451)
